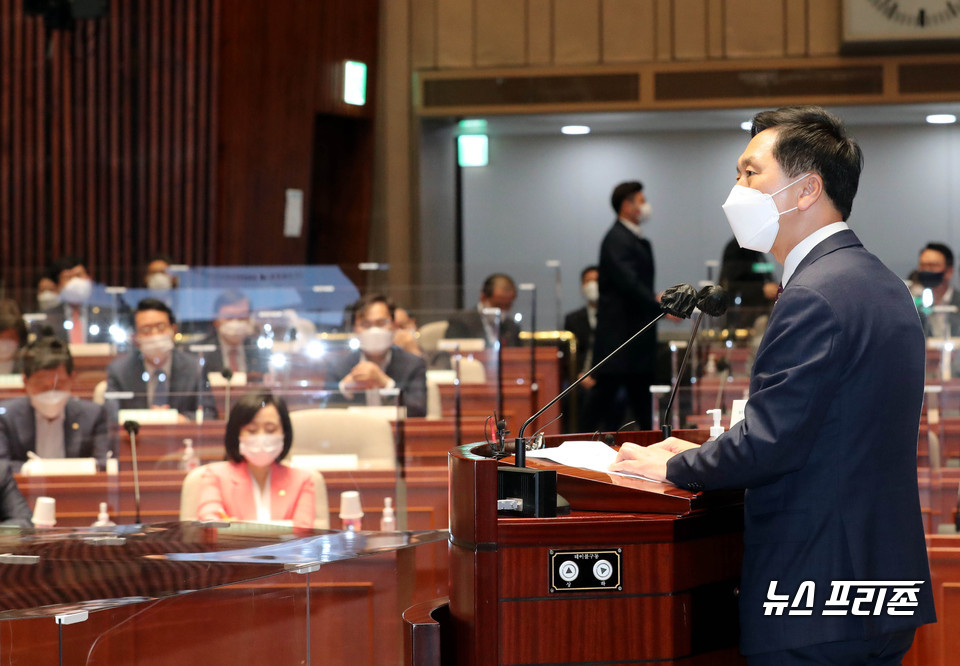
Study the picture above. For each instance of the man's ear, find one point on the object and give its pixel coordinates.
(810, 192)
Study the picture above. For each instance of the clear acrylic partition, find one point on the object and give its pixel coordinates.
(213, 594)
(297, 330)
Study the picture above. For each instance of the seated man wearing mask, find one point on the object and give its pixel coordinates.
(47, 421)
(13, 336)
(156, 276)
(233, 336)
(379, 364)
(157, 374)
(932, 287)
(74, 320)
(498, 291)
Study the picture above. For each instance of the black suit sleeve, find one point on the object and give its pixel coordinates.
(626, 277)
(457, 329)
(101, 438)
(14, 509)
(415, 388)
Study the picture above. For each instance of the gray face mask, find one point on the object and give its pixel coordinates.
(48, 299)
(159, 282)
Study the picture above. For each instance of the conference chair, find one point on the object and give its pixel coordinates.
(430, 334)
(472, 371)
(341, 433)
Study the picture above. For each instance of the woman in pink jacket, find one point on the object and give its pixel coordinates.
(252, 484)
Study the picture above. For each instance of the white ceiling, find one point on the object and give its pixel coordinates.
(658, 121)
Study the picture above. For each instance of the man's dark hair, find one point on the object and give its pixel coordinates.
(65, 263)
(586, 270)
(231, 297)
(942, 249)
(153, 304)
(358, 307)
(622, 191)
(46, 353)
(491, 283)
(809, 139)
(244, 411)
(12, 318)
(157, 256)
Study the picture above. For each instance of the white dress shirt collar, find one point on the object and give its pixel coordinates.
(634, 228)
(802, 249)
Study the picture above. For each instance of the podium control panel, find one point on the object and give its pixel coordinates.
(586, 570)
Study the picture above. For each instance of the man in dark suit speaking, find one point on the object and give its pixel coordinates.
(827, 450)
(378, 363)
(627, 303)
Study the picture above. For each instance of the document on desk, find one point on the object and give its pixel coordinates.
(593, 455)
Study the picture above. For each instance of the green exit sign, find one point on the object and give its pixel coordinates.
(354, 83)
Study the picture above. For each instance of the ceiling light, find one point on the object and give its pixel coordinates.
(941, 118)
(575, 129)
(746, 125)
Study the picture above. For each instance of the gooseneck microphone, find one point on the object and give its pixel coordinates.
(711, 300)
(678, 301)
(132, 428)
(227, 373)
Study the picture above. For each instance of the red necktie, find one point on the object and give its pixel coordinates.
(234, 359)
(76, 333)
(779, 291)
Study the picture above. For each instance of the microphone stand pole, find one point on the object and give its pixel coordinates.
(456, 396)
(132, 428)
(665, 426)
(534, 386)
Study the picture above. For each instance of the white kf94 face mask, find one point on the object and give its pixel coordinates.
(261, 450)
(753, 216)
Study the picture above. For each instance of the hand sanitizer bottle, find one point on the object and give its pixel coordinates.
(190, 459)
(103, 518)
(388, 522)
(716, 429)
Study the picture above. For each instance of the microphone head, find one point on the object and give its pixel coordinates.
(226, 373)
(132, 427)
(713, 300)
(679, 301)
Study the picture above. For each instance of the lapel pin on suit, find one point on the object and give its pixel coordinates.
(76, 426)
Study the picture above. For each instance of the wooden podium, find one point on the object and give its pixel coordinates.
(666, 595)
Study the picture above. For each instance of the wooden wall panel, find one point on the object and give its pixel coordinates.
(423, 34)
(663, 20)
(715, 32)
(628, 30)
(824, 27)
(796, 27)
(102, 133)
(539, 32)
(576, 32)
(281, 79)
(754, 28)
(455, 33)
(501, 33)
(690, 29)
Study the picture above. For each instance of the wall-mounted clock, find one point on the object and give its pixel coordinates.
(900, 22)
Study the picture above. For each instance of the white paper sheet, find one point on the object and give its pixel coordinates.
(592, 455)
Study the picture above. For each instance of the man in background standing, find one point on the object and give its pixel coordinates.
(627, 303)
